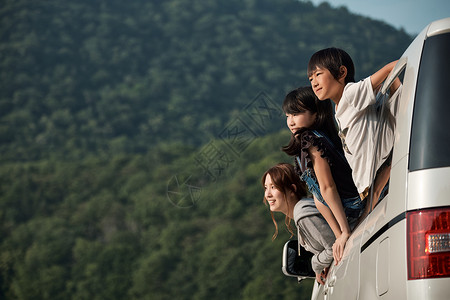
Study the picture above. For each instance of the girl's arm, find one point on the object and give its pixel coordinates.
(329, 217)
(331, 196)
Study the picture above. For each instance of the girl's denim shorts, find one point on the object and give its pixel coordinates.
(353, 207)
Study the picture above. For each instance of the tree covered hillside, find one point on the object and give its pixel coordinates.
(114, 76)
(124, 173)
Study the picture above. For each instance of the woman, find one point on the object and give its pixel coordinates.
(284, 192)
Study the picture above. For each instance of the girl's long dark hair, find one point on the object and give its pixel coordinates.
(303, 99)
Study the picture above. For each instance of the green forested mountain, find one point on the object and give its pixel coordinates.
(133, 135)
(115, 76)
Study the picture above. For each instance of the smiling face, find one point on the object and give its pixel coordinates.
(274, 197)
(325, 86)
(300, 120)
(282, 190)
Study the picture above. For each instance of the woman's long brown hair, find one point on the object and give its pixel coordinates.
(283, 177)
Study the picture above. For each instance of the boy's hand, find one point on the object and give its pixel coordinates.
(339, 246)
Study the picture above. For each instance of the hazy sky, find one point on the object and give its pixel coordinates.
(412, 15)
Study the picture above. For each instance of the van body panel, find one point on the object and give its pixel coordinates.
(397, 198)
(348, 269)
(389, 208)
(390, 283)
(435, 289)
(429, 188)
(438, 27)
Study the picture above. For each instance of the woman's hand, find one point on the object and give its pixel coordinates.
(339, 246)
(320, 277)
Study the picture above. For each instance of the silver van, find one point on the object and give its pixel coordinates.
(401, 250)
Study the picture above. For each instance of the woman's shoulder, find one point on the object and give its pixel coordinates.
(305, 207)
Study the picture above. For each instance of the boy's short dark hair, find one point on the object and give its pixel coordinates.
(332, 59)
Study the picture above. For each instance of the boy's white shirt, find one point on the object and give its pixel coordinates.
(357, 119)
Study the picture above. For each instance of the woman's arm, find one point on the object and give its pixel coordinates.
(331, 196)
(318, 236)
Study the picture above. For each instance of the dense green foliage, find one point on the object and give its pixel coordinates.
(109, 111)
(111, 229)
(110, 76)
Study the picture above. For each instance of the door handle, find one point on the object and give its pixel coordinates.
(328, 288)
(332, 281)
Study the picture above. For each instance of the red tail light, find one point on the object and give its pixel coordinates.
(428, 243)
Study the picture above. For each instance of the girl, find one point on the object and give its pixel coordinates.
(320, 162)
(284, 192)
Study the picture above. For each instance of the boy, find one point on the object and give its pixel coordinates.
(331, 73)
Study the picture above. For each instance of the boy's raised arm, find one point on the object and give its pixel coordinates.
(378, 77)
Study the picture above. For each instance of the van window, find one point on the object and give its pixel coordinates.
(387, 106)
(430, 134)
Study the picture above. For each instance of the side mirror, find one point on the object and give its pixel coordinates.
(297, 264)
